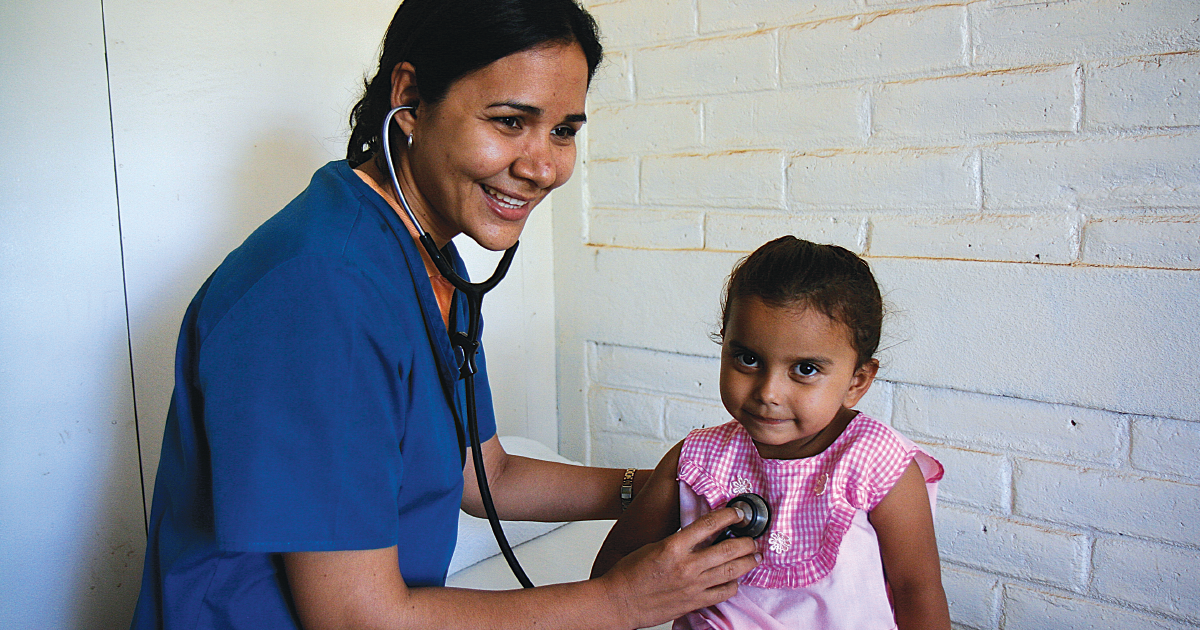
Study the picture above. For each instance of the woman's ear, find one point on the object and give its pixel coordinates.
(404, 92)
(861, 382)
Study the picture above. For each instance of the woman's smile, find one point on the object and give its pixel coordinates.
(508, 207)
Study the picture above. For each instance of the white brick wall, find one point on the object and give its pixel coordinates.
(1024, 177)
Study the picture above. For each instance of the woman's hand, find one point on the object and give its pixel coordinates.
(681, 573)
(336, 590)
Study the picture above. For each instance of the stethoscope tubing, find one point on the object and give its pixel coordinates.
(468, 343)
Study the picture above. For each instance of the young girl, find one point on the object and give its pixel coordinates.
(850, 498)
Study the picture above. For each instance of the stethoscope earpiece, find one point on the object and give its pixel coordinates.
(756, 516)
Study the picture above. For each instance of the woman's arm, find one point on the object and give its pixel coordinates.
(904, 523)
(364, 590)
(525, 489)
(653, 515)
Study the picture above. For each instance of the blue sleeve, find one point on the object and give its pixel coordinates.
(300, 394)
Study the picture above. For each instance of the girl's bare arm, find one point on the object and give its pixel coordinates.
(904, 523)
(653, 515)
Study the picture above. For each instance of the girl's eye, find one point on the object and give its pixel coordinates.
(508, 121)
(805, 369)
(565, 131)
(745, 359)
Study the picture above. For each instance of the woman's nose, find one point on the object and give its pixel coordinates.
(536, 164)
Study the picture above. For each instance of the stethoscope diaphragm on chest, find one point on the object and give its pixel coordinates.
(756, 517)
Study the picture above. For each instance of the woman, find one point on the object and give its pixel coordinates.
(312, 468)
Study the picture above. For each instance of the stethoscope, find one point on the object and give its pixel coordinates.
(756, 514)
(467, 343)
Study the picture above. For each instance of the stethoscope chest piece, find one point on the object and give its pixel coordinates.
(756, 516)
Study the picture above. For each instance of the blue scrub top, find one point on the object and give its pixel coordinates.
(314, 380)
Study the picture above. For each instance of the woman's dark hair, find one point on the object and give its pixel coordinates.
(789, 272)
(447, 39)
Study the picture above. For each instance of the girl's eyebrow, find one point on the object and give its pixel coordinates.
(537, 111)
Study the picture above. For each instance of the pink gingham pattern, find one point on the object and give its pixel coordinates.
(813, 500)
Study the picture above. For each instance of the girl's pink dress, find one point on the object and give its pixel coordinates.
(820, 557)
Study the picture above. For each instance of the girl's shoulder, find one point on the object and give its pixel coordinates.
(869, 457)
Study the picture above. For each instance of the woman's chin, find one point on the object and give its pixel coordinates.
(500, 238)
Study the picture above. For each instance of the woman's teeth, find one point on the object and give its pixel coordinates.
(503, 198)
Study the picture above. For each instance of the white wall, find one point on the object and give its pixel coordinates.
(1024, 178)
(70, 497)
(220, 113)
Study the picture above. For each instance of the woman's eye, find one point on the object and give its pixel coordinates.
(565, 131)
(508, 121)
(805, 369)
(746, 359)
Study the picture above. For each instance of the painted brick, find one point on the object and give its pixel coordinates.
(1007, 423)
(1164, 242)
(625, 24)
(808, 118)
(904, 180)
(888, 45)
(966, 106)
(664, 372)
(1038, 238)
(745, 233)
(971, 596)
(613, 82)
(1006, 547)
(673, 298)
(1028, 608)
(1046, 332)
(715, 66)
(1166, 446)
(620, 411)
(1159, 577)
(1146, 171)
(972, 477)
(685, 415)
(1108, 501)
(644, 128)
(738, 180)
(612, 182)
(1159, 91)
(1041, 32)
(877, 403)
(614, 450)
(718, 15)
(659, 229)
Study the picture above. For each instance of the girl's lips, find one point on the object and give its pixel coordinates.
(762, 420)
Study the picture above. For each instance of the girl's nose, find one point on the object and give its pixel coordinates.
(536, 163)
(768, 390)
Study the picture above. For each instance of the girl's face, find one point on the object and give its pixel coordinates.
(788, 375)
(500, 140)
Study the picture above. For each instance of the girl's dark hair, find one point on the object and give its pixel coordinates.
(790, 272)
(447, 39)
